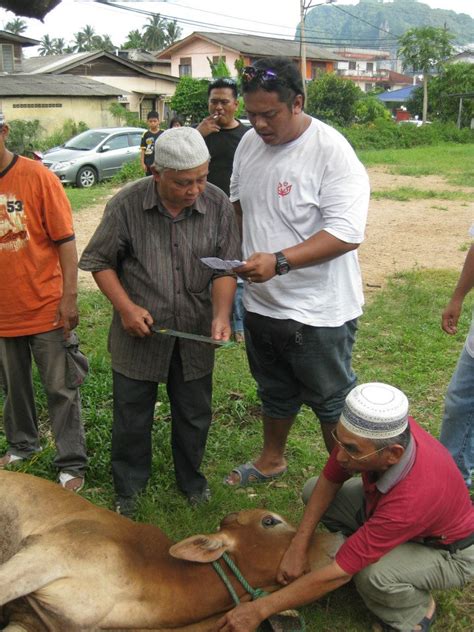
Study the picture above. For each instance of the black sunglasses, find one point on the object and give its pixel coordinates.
(263, 77)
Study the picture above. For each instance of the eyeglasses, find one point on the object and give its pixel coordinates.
(263, 77)
(351, 456)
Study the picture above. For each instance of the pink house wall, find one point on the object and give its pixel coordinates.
(199, 50)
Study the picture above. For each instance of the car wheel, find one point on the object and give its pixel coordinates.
(86, 177)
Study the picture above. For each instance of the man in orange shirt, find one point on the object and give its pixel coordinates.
(38, 311)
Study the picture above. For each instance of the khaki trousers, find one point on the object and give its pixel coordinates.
(396, 588)
(64, 404)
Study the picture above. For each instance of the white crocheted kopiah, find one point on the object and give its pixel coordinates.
(375, 411)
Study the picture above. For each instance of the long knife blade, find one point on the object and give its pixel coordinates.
(196, 337)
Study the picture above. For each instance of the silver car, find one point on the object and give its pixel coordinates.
(94, 155)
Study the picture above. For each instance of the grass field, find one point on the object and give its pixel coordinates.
(399, 341)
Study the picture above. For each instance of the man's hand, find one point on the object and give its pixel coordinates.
(208, 126)
(258, 268)
(450, 316)
(136, 321)
(67, 312)
(293, 565)
(243, 618)
(221, 329)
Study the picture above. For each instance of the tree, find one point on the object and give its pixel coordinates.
(332, 98)
(134, 40)
(154, 33)
(218, 68)
(172, 32)
(17, 26)
(47, 46)
(85, 40)
(455, 79)
(425, 49)
(59, 46)
(190, 99)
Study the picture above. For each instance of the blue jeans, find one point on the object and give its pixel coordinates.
(238, 310)
(457, 430)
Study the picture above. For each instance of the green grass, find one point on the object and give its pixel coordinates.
(404, 194)
(399, 341)
(83, 198)
(455, 162)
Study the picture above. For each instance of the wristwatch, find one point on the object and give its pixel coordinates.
(281, 266)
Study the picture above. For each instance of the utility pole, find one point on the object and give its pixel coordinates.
(303, 46)
(303, 9)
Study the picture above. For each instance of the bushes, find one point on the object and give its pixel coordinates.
(24, 136)
(69, 129)
(382, 134)
(130, 171)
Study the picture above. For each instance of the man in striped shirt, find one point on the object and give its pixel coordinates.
(145, 257)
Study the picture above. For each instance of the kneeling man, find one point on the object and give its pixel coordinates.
(408, 519)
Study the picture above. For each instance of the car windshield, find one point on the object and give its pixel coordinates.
(86, 141)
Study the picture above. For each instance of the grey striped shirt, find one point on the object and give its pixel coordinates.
(157, 259)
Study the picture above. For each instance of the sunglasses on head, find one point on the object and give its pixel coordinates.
(263, 77)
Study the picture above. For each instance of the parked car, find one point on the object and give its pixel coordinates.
(94, 155)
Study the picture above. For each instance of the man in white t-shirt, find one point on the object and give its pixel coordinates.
(302, 197)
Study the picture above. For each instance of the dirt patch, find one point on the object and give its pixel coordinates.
(400, 236)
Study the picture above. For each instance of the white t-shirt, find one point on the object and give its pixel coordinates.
(288, 193)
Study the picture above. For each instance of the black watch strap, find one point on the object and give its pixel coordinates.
(281, 266)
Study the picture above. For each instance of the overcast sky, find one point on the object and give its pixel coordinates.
(251, 16)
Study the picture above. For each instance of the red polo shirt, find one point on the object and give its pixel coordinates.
(424, 496)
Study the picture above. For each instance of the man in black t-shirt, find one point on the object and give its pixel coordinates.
(147, 144)
(221, 130)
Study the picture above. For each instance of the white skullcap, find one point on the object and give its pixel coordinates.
(180, 148)
(375, 411)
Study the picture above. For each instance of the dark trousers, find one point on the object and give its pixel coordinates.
(134, 404)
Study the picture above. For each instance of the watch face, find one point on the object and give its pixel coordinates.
(282, 265)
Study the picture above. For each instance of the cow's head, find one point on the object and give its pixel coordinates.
(256, 539)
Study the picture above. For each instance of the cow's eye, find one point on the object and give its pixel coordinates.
(270, 521)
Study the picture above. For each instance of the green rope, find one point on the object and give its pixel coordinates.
(294, 620)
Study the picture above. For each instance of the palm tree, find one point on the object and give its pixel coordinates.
(134, 40)
(16, 26)
(85, 39)
(47, 46)
(105, 43)
(154, 33)
(173, 32)
(78, 43)
(59, 46)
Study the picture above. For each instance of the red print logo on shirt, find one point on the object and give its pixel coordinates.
(284, 188)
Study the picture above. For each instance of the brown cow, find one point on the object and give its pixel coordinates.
(68, 565)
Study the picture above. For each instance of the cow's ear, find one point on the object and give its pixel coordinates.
(202, 548)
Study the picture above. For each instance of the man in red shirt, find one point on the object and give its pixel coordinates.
(408, 520)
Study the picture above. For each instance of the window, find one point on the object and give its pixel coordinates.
(37, 105)
(217, 58)
(185, 69)
(370, 66)
(352, 65)
(135, 139)
(117, 142)
(6, 57)
(368, 87)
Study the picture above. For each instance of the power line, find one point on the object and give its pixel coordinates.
(323, 41)
(379, 28)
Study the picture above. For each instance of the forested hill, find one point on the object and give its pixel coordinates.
(359, 25)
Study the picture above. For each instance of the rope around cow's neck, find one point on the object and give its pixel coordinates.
(255, 593)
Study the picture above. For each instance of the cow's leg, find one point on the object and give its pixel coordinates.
(34, 566)
(21, 617)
